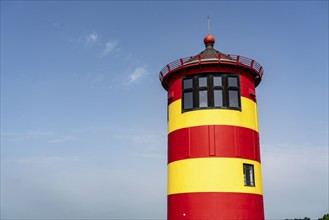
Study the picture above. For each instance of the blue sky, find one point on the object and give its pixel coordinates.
(83, 114)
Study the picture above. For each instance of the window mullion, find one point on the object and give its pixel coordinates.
(225, 91)
(195, 92)
(210, 91)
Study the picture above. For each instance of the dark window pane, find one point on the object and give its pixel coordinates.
(251, 176)
(188, 83)
(248, 175)
(203, 82)
(245, 180)
(233, 81)
(233, 98)
(188, 100)
(217, 81)
(218, 98)
(203, 99)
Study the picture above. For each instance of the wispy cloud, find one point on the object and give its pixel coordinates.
(137, 74)
(149, 155)
(29, 134)
(49, 159)
(111, 46)
(61, 140)
(38, 135)
(55, 24)
(74, 188)
(291, 170)
(91, 38)
(142, 139)
(88, 40)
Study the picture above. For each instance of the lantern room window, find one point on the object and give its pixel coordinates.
(211, 91)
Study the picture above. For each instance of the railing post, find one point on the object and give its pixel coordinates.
(181, 62)
(237, 59)
(168, 67)
(260, 69)
(199, 58)
(252, 63)
(218, 57)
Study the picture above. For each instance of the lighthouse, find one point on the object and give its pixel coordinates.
(214, 165)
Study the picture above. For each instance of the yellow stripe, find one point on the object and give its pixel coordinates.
(245, 118)
(211, 175)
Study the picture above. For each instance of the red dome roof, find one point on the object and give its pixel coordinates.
(211, 56)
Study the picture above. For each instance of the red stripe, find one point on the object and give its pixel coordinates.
(175, 91)
(213, 140)
(215, 206)
(247, 88)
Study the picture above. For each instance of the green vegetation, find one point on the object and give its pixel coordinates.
(325, 217)
(306, 218)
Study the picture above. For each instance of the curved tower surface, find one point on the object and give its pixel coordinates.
(214, 169)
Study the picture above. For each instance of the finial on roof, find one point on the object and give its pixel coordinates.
(208, 25)
(209, 40)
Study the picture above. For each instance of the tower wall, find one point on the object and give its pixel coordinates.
(208, 150)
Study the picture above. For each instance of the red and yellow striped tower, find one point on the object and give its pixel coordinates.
(214, 169)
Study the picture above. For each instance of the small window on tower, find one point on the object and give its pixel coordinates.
(203, 98)
(232, 81)
(217, 81)
(188, 84)
(248, 174)
(233, 98)
(218, 98)
(203, 82)
(188, 100)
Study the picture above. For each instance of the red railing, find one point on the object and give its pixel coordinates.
(235, 60)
